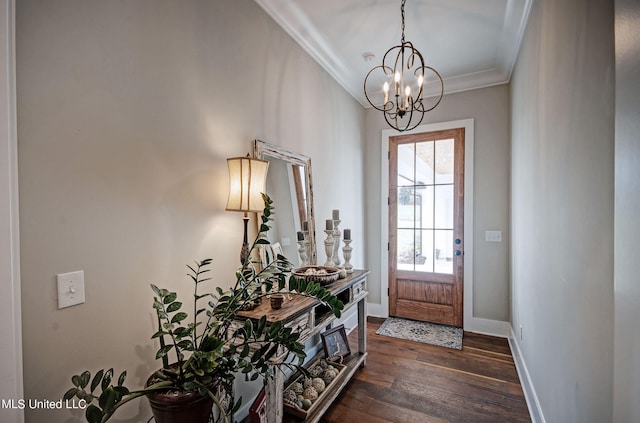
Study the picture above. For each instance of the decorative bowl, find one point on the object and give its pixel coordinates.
(323, 275)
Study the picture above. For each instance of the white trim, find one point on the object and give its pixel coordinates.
(295, 20)
(11, 379)
(535, 410)
(488, 327)
(468, 125)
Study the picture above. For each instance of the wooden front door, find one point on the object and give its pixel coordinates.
(426, 199)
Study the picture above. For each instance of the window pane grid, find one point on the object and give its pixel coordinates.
(425, 206)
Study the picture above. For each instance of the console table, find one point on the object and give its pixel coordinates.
(309, 317)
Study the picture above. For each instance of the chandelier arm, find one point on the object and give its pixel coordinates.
(441, 88)
(384, 106)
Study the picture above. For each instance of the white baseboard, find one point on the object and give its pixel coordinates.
(487, 327)
(377, 310)
(525, 380)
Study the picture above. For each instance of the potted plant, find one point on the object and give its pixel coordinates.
(206, 350)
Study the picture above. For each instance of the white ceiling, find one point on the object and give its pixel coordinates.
(471, 43)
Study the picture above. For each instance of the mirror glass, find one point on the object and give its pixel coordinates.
(289, 185)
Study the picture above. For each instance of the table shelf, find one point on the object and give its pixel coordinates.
(306, 316)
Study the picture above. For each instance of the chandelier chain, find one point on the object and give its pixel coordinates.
(402, 14)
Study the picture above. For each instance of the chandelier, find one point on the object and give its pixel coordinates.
(405, 75)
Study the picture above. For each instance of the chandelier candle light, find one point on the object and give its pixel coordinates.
(405, 76)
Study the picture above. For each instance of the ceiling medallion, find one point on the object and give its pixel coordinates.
(403, 88)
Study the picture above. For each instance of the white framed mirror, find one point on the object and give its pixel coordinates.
(290, 186)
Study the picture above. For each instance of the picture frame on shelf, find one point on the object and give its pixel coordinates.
(258, 410)
(335, 342)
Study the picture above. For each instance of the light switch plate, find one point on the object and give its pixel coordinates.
(70, 289)
(493, 236)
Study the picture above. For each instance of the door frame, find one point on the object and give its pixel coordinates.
(10, 312)
(468, 125)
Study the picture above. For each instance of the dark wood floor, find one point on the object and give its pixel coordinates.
(406, 381)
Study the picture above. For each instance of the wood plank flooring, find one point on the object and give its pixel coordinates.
(406, 381)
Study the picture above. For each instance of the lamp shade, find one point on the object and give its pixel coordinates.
(247, 178)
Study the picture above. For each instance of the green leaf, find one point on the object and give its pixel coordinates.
(171, 297)
(248, 328)
(122, 377)
(75, 379)
(178, 317)
(174, 307)
(70, 394)
(156, 290)
(159, 334)
(93, 414)
(106, 381)
(108, 399)
(163, 351)
(274, 329)
(262, 323)
(189, 386)
(121, 391)
(84, 379)
(185, 345)
(96, 380)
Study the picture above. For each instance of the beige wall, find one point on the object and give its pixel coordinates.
(626, 407)
(126, 114)
(562, 184)
(489, 107)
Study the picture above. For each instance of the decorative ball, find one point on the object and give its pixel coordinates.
(310, 393)
(307, 383)
(318, 384)
(324, 364)
(316, 371)
(306, 404)
(289, 395)
(300, 397)
(329, 374)
(297, 388)
(328, 378)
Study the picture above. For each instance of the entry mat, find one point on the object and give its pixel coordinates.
(425, 332)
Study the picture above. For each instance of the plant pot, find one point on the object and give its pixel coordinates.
(180, 406)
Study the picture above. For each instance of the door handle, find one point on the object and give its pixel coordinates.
(457, 241)
(458, 252)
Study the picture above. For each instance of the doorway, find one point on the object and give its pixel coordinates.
(426, 226)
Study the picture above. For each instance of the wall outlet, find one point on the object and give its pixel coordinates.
(70, 289)
(493, 236)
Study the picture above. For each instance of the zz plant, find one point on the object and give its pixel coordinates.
(207, 347)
